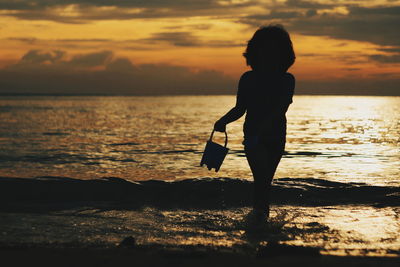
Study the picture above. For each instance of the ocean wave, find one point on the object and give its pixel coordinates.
(192, 193)
(124, 144)
(61, 158)
(55, 133)
(58, 156)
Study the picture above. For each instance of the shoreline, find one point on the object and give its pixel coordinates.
(190, 193)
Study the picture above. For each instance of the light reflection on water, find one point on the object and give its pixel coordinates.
(347, 139)
(345, 230)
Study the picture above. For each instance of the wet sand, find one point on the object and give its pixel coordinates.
(70, 213)
(174, 257)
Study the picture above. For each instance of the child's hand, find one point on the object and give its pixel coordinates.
(219, 126)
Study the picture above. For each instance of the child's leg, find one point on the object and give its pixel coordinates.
(263, 162)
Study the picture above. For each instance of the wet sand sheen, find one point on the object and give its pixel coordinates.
(173, 257)
(327, 230)
(353, 219)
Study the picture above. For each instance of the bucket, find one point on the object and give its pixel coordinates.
(214, 154)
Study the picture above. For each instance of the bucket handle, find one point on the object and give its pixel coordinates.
(226, 137)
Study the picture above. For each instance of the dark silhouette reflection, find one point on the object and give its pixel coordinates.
(264, 94)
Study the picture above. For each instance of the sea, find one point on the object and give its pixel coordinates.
(91, 170)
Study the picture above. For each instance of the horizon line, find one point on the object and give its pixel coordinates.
(153, 95)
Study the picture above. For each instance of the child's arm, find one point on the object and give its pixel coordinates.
(237, 111)
(232, 115)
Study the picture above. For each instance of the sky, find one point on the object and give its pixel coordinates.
(168, 47)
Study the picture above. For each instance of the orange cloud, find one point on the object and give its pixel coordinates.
(333, 40)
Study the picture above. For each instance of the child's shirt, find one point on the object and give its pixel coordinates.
(266, 98)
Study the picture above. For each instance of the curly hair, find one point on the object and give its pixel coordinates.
(270, 49)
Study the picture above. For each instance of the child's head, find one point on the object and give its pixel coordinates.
(270, 49)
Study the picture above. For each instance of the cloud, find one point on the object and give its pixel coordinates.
(82, 11)
(187, 39)
(56, 59)
(390, 49)
(275, 15)
(41, 4)
(121, 65)
(201, 26)
(87, 43)
(307, 4)
(41, 57)
(175, 38)
(345, 20)
(385, 58)
(375, 24)
(348, 20)
(391, 56)
(93, 59)
(102, 73)
(55, 72)
(28, 40)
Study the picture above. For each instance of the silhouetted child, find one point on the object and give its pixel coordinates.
(264, 94)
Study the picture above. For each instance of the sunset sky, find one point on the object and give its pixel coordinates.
(193, 46)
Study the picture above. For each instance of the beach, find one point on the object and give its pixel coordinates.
(123, 257)
(51, 212)
(81, 174)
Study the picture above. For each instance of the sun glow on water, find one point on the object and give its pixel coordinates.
(347, 139)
